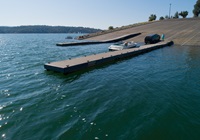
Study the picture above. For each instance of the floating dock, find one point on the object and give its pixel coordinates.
(81, 63)
(124, 37)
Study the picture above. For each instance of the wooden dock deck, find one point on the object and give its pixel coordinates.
(77, 64)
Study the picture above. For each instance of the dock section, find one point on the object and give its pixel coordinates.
(121, 38)
(81, 63)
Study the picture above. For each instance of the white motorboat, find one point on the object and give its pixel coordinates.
(122, 46)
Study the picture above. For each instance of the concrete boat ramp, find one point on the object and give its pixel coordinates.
(81, 63)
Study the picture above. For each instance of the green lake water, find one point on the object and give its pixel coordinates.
(154, 96)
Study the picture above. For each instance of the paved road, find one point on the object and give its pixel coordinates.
(181, 31)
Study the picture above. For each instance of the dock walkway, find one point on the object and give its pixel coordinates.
(77, 64)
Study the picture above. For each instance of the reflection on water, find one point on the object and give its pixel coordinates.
(151, 96)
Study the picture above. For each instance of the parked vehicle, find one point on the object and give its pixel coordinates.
(152, 38)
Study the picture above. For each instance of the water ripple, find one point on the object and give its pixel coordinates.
(151, 96)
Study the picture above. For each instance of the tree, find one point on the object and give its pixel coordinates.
(152, 17)
(46, 29)
(166, 17)
(183, 14)
(176, 15)
(162, 18)
(196, 10)
(110, 28)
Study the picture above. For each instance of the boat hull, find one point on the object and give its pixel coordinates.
(118, 47)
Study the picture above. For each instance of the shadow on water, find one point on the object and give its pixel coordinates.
(68, 78)
(71, 77)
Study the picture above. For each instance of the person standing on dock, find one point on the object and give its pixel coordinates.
(162, 37)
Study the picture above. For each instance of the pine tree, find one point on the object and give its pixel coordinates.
(196, 10)
(176, 15)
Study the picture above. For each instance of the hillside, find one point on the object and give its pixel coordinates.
(46, 29)
(181, 31)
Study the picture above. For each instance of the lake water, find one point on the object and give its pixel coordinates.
(154, 96)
